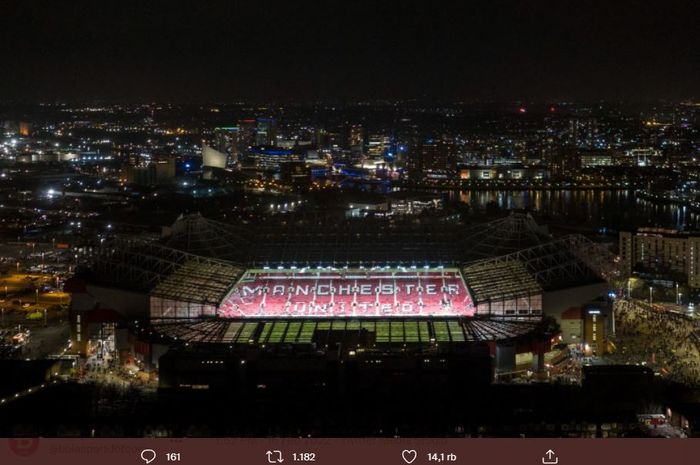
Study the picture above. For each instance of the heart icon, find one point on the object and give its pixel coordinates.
(409, 455)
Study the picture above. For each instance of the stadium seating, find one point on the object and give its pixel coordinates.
(352, 293)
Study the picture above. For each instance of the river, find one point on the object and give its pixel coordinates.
(612, 209)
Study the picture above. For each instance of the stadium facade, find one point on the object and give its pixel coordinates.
(208, 291)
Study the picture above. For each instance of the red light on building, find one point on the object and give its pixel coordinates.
(522, 110)
(349, 293)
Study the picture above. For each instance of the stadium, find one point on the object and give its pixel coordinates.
(210, 293)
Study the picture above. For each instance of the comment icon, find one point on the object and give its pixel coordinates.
(148, 455)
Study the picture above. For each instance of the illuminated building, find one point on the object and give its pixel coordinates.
(594, 158)
(586, 327)
(213, 158)
(661, 250)
(201, 285)
(246, 134)
(583, 132)
(272, 158)
(436, 156)
(159, 172)
(226, 141)
(212, 161)
(25, 129)
(356, 137)
(377, 145)
(266, 132)
(643, 157)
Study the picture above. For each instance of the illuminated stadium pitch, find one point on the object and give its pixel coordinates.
(349, 293)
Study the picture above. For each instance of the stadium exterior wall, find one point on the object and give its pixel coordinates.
(170, 308)
(129, 304)
(556, 302)
(528, 305)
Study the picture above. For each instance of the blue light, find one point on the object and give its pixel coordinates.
(187, 165)
(265, 151)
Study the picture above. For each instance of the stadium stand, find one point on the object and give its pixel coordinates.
(348, 293)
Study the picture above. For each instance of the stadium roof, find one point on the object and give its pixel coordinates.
(565, 262)
(200, 259)
(314, 241)
(200, 236)
(348, 331)
(198, 282)
(506, 235)
(147, 266)
(491, 280)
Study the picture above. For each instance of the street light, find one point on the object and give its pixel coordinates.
(651, 295)
(678, 299)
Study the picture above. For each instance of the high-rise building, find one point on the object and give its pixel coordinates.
(661, 250)
(377, 145)
(433, 156)
(266, 132)
(327, 139)
(583, 132)
(246, 134)
(354, 137)
(226, 141)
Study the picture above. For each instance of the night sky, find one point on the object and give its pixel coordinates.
(307, 50)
